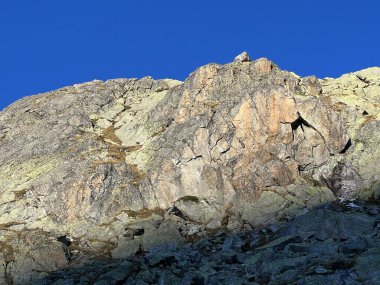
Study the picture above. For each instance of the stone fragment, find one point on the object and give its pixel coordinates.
(243, 57)
(126, 248)
(167, 233)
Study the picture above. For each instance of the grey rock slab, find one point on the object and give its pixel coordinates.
(126, 248)
(324, 224)
(3, 280)
(367, 265)
(167, 233)
(277, 242)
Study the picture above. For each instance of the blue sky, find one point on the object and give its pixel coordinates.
(45, 44)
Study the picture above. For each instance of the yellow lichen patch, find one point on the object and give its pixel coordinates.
(16, 177)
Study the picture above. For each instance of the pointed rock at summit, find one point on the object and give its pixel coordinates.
(243, 57)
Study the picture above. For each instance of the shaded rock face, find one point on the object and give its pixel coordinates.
(233, 145)
(333, 244)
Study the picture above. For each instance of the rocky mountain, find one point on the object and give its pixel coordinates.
(119, 167)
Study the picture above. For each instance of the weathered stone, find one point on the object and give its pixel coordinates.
(311, 86)
(3, 280)
(126, 248)
(376, 190)
(34, 256)
(324, 224)
(367, 266)
(345, 181)
(243, 57)
(282, 241)
(167, 233)
(355, 98)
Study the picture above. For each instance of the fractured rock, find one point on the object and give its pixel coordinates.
(243, 57)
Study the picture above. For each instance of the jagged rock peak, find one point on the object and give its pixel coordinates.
(243, 57)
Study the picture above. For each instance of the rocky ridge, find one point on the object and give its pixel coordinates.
(124, 165)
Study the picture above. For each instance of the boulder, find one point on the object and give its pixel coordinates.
(243, 57)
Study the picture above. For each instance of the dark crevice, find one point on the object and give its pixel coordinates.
(363, 79)
(170, 121)
(303, 167)
(195, 157)
(139, 232)
(365, 113)
(177, 212)
(65, 240)
(346, 147)
(300, 122)
(224, 151)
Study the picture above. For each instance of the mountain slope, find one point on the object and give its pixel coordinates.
(233, 145)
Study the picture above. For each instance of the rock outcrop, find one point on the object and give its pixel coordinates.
(238, 145)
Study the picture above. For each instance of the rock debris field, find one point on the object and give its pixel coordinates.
(335, 243)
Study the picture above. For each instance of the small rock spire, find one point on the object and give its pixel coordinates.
(243, 57)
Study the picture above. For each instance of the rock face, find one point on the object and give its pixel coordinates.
(355, 97)
(238, 144)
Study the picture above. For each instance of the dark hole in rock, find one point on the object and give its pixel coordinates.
(302, 167)
(169, 122)
(300, 122)
(346, 147)
(197, 281)
(364, 79)
(340, 264)
(365, 113)
(132, 233)
(177, 212)
(139, 232)
(65, 240)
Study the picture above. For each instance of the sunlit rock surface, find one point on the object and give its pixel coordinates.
(243, 144)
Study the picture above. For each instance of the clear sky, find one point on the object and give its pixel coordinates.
(48, 44)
